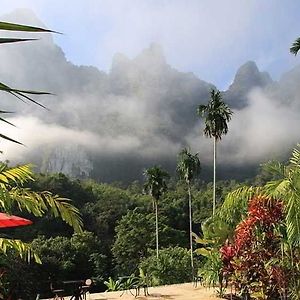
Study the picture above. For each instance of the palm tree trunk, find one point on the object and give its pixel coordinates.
(191, 229)
(156, 225)
(214, 185)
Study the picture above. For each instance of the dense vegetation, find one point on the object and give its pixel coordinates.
(119, 234)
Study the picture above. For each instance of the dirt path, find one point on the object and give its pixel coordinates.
(184, 291)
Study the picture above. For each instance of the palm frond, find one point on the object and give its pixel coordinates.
(12, 194)
(40, 203)
(295, 46)
(236, 203)
(23, 94)
(14, 40)
(201, 110)
(293, 219)
(295, 157)
(15, 175)
(217, 114)
(276, 188)
(21, 27)
(275, 169)
(188, 165)
(155, 183)
(5, 137)
(23, 250)
(62, 207)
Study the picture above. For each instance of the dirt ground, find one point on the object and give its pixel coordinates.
(184, 291)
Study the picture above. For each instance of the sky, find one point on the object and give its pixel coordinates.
(210, 38)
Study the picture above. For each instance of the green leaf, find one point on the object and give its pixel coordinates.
(22, 93)
(203, 252)
(23, 250)
(9, 139)
(21, 27)
(13, 40)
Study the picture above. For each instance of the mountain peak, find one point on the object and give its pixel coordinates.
(248, 76)
(153, 55)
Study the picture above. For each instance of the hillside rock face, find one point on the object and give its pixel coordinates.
(110, 126)
(247, 77)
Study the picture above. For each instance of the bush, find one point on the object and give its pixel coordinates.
(173, 266)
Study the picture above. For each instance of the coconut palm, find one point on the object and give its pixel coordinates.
(188, 167)
(155, 186)
(217, 114)
(295, 46)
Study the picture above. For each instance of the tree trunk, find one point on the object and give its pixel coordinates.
(214, 184)
(156, 225)
(191, 229)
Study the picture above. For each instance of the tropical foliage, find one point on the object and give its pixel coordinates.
(172, 266)
(261, 256)
(13, 196)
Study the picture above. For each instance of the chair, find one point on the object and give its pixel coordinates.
(128, 283)
(58, 292)
(197, 279)
(144, 281)
(86, 287)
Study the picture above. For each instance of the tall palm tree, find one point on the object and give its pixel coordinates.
(155, 186)
(188, 167)
(295, 46)
(217, 114)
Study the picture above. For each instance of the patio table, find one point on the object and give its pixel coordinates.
(77, 293)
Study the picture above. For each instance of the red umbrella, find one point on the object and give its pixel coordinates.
(12, 221)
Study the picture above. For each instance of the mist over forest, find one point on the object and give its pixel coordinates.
(112, 125)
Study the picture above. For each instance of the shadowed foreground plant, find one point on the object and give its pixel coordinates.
(23, 95)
